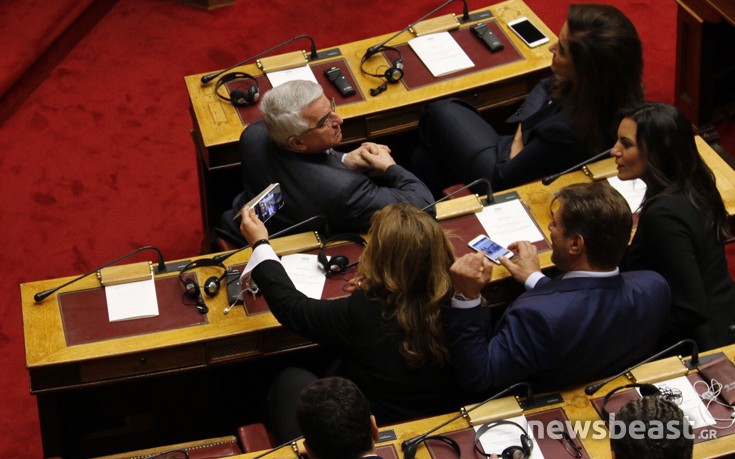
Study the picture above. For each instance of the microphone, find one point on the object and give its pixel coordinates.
(293, 444)
(374, 49)
(222, 257)
(161, 268)
(592, 388)
(409, 446)
(313, 56)
(547, 180)
(489, 193)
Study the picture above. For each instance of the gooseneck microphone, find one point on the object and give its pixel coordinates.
(313, 56)
(224, 256)
(293, 444)
(161, 268)
(489, 193)
(592, 388)
(551, 178)
(409, 446)
(374, 49)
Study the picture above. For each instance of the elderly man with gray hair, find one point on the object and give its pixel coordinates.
(294, 146)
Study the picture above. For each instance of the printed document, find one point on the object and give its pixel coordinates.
(632, 190)
(508, 222)
(305, 273)
(498, 438)
(296, 73)
(441, 53)
(132, 300)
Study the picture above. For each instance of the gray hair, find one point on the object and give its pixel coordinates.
(282, 106)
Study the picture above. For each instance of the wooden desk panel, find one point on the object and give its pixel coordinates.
(217, 125)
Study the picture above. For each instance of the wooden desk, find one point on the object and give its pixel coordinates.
(55, 367)
(577, 406)
(705, 57)
(217, 126)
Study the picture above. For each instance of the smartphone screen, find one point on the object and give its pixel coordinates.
(528, 32)
(492, 249)
(269, 204)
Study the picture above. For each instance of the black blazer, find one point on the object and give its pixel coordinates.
(319, 184)
(368, 345)
(672, 240)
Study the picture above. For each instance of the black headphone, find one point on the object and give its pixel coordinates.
(338, 263)
(239, 97)
(211, 285)
(510, 452)
(394, 74)
(670, 395)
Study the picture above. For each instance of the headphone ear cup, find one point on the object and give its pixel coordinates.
(514, 452)
(395, 74)
(192, 288)
(649, 389)
(338, 263)
(211, 286)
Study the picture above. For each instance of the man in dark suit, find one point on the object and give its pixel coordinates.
(335, 419)
(591, 322)
(294, 146)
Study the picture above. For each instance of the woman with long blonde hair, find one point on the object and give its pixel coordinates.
(387, 333)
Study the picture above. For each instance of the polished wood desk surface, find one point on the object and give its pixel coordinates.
(235, 336)
(219, 123)
(577, 406)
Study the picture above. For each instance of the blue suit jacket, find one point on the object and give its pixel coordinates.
(562, 332)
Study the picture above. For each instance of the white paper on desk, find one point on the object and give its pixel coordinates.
(632, 190)
(509, 222)
(498, 438)
(132, 300)
(305, 273)
(694, 410)
(296, 73)
(441, 53)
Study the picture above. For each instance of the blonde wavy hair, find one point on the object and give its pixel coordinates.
(405, 266)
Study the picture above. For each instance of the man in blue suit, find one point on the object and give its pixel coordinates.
(591, 322)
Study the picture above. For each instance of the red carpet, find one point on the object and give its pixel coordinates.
(99, 161)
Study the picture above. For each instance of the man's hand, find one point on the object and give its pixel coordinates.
(524, 263)
(355, 160)
(470, 274)
(377, 157)
(252, 228)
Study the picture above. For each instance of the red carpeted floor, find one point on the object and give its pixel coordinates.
(98, 160)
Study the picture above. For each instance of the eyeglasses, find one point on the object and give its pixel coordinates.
(569, 445)
(325, 120)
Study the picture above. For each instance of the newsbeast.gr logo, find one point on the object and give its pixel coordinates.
(598, 430)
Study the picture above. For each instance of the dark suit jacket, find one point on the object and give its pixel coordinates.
(319, 184)
(368, 345)
(672, 240)
(562, 332)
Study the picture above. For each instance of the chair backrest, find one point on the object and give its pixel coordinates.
(253, 146)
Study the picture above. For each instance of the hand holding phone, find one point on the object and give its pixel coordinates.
(493, 250)
(265, 204)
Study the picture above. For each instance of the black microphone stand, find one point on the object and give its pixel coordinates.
(222, 257)
(409, 446)
(592, 388)
(489, 200)
(294, 447)
(375, 48)
(313, 56)
(551, 178)
(161, 268)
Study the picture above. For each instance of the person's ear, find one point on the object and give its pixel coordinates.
(295, 144)
(374, 428)
(576, 244)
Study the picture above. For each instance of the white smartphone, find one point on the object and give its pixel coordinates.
(493, 250)
(528, 32)
(266, 203)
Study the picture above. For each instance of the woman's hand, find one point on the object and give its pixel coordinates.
(252, 228)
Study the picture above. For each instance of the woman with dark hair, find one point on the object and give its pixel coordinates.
(683, 223)
(597, 65)
(387, 333)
